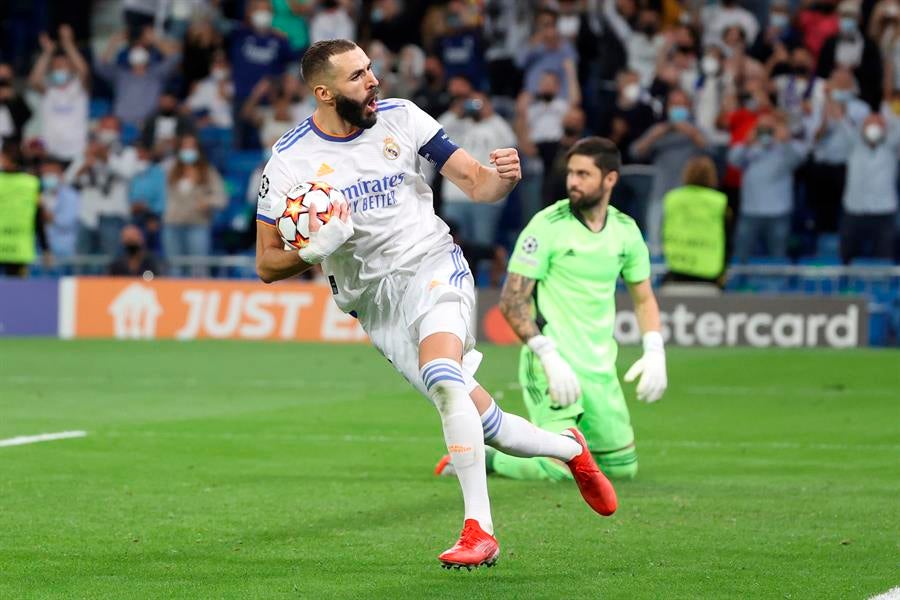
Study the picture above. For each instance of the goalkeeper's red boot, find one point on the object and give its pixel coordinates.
(595, 488)
(444, 468)
(475, 548)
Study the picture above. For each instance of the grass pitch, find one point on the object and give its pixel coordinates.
(257, 470)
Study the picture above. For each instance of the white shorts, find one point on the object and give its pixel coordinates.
(394, 311)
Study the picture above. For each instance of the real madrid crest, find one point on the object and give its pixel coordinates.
(391, 149)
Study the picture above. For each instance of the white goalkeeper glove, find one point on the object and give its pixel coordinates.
(563, 383)
(325, 240)
(651, 367)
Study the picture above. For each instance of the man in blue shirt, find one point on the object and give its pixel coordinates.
(255, 51)
(768, 160)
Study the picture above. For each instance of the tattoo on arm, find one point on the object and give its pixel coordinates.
(515, 304)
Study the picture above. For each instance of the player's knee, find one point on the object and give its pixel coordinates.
(443, 379)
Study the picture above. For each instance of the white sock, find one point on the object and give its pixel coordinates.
(462, 431)
(516, 436)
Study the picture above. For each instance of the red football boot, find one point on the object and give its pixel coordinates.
(475, 547)
(595, 488)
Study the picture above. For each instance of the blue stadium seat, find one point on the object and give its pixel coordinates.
(768, 283)
(130, 133)
(828, 246)
(99, 107)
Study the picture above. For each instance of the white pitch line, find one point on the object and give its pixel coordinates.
(42, 437)
(891, 594)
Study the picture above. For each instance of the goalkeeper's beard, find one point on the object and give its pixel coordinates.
(583, 201)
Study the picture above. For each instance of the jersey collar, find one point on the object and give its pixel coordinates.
(333, 138)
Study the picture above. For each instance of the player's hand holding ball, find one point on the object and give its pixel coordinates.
(561, 379)
(651, 367)
(325, 239)
(506, 161)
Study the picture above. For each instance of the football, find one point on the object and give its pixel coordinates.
(293, 224)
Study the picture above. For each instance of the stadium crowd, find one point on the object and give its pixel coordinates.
(148, 122)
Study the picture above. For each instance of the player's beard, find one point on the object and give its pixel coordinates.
(355, 112)
(588, 201)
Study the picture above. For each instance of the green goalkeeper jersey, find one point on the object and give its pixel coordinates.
(576, 271)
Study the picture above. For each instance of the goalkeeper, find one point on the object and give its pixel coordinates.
(559, 299)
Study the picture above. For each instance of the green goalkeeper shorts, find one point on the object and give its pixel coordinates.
(601, 414)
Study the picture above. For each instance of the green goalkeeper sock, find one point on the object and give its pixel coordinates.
(531, 469)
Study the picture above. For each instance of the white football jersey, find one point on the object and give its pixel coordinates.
(379, 171)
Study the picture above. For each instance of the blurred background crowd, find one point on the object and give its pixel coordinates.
(147, 122)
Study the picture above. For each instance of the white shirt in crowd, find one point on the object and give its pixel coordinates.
(478, 138)
(208, 95)
(545, 119)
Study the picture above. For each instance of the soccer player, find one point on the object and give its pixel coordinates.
(559, 298)
(392, 263)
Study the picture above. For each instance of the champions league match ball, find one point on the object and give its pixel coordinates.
(293, 224)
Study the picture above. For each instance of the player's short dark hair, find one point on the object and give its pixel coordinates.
(316, 59)
(605, 153)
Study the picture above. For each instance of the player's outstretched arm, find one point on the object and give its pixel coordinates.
(651, 366)
(481, 183)
(515, 304)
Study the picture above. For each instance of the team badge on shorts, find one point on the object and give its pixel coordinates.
(530, 245)
(391, 149)
(264, 186)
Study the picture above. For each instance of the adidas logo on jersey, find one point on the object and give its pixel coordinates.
(325, 169)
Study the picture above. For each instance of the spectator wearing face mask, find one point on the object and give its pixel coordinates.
(767, 159)
(473, 124)
(62, 79)
(826, 175)
(432, 95)
(719, 16)
(851, 49)
(134, 260)
(870, 196)
(14, 111)
(799, 93)
(211, 97)
(194, 191)
(779, 36)
(668, 145)
(711, 86)
(60, 203)
(643, 43)
(137, 86)
(539, 122)
(102, 177)
(255, 52)
(547, 51)
(166, 124)
(460, 46)
(632, 115)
